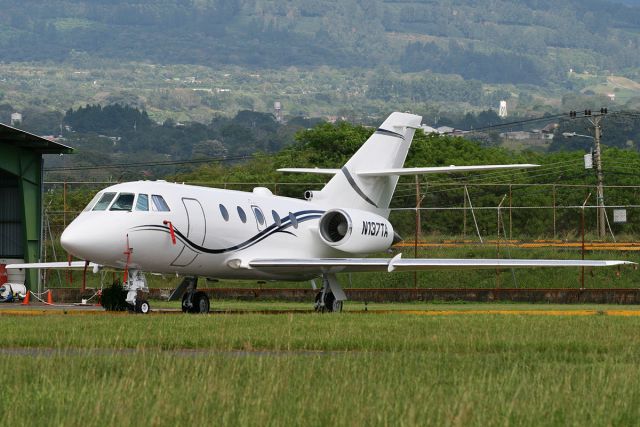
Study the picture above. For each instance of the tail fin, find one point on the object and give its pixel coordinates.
(387, 148)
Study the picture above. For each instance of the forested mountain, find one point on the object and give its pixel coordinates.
(494, 41)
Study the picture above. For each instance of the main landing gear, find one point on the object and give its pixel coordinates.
(137, 292)
(193, 301)
(330, 298)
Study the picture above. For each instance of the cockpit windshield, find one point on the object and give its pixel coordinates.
(91, 203)
(124, 202)
(143, 202)
(104, 202)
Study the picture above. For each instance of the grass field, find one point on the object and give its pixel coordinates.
(350, 369)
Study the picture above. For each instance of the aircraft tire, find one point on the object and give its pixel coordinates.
(329, 300)
(316, 304)
(185, 309)
(200, 303)
(142, 307)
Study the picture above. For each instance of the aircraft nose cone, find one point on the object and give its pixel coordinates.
(76, 241)
(95, 239)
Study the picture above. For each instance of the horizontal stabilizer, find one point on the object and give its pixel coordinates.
(64, 265)
(353, 265)
(440, 169)
(310, 170)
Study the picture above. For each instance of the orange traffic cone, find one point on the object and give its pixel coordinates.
(25, 301)
(49, 297)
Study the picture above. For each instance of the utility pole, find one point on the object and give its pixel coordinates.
(596, 120)
(597, 154)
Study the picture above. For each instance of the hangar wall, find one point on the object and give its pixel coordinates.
(20, 205)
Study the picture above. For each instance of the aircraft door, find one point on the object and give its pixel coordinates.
(261, 221)
(196, 231)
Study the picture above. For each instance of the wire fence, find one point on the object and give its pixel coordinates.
(434, 210)
(441, 219)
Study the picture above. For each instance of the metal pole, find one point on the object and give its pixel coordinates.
(498, 241)
(418, 200)
(464, 214)
(554, 211)
(64, 204)
(416, 231)
(415, 248)
(582, 226)
(510, 215)
(473, 214)
(602, 231)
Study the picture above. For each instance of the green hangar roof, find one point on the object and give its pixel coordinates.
(38, 144)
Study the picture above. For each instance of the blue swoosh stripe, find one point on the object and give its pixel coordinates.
(301, 216)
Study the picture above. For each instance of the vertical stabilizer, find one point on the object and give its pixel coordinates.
(386, 148)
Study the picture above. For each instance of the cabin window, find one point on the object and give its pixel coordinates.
(158, 204)
(92, 202)
(242, 215)
(293, 219)
(276, 218)
(124, 202)
(224, 212)
(259, 215)
(142, 204)
(104, 201)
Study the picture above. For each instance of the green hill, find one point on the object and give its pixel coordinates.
(534, 41)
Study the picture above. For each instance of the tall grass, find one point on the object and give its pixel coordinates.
(319, 370)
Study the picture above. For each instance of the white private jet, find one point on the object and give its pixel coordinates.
(161, 227)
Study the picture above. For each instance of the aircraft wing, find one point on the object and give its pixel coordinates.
(64, 265)
(441, 169)
(353, 265)
(412, 171)
(320, 171)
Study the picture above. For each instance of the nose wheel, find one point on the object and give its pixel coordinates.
(142, 307)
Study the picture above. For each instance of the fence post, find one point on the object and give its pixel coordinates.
(498, 241)
(64, 204)
(582, 226)
(510, 215)
(554, 210)
(464, 216)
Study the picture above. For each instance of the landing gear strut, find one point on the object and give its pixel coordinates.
(192, 301)
(137, 292)
(330, 298)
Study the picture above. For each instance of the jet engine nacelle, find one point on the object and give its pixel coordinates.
(355, 231)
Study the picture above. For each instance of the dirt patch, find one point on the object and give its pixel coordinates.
(623, 82)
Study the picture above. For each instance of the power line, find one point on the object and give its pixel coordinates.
(155, 163)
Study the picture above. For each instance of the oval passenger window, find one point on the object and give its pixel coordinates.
(276, 218)
(259, 216)
(224, 212)
(242, 215)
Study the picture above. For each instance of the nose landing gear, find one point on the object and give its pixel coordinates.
(137, 291)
